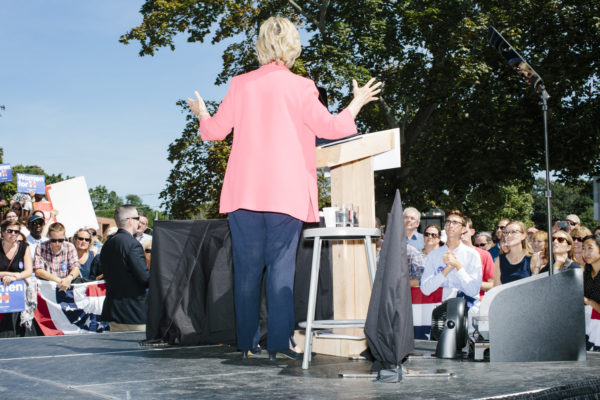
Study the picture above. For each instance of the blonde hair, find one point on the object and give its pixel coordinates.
(278, 40)
(523, 230)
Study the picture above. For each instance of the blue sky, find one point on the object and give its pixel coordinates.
(80, 103)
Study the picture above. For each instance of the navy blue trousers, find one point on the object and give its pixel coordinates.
(259, 240)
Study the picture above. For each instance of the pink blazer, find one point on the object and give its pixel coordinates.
(275, 116)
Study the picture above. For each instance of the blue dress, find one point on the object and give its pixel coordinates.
(84, 269)
(512, 272)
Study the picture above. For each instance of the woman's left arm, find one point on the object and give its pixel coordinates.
(9, 277)
(590, 302)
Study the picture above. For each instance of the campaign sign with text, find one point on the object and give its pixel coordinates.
(5, 173)
(27, 182)
(12, 297)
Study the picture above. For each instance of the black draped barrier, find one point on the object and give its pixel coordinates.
(190, 299)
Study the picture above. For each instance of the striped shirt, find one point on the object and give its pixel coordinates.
(57, 264)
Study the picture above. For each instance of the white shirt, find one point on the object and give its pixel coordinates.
(33, 242)
(467, 280)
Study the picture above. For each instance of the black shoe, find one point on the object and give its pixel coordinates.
(250, 353)
(291, 354)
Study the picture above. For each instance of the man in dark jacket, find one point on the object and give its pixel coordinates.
(126, 275)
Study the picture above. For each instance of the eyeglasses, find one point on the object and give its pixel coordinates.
(454, 222)
(559, 238)
(432, 235)
(57, 240)
(8, 230)
(501, 227)
(508, 233)
(148, 251)
(480, 244)
(577, 239)
(82, 239)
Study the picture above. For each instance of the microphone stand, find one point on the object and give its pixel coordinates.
(544, 96)
(524, 70)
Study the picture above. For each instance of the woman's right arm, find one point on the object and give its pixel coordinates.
(497, 281)
(363, 95)
(535, 265)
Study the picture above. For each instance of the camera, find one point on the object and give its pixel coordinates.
(564, 225)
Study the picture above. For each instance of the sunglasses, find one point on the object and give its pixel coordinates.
(480, 244)
(148, 251)
(82, 239)
(501, 227)
(57, 240)
(432, 235)
(8, 230)
(16, 208)
(559, 238)
(577, 239)
(572, 223)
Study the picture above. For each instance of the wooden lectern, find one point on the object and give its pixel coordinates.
(352, 169)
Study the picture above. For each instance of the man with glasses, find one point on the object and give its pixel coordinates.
(126, 275)
(497, 237)
(140, 234)
(56, 259)
(487, 263)
(483, 240)
(412, 219)
(573, 221)
(455, 267)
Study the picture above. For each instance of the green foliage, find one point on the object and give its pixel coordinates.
(104, 202)
(573, 197)
(470, 129)
(194, 184)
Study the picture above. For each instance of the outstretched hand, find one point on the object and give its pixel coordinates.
(363, 95)
(197, 107)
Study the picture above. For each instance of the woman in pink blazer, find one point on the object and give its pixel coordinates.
(270, 184)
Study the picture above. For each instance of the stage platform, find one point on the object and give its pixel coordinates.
(114, 366)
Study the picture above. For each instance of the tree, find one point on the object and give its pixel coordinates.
(573, 197)
(467, 124)
(104, 202)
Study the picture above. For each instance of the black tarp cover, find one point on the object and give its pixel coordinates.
(389, 325)
(190, 299)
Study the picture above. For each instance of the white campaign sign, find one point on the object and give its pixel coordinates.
(72, 201)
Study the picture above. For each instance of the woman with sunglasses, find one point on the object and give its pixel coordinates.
(82, 239)
(432, 237)
(562, 252)
(577, 234)
(15, 265)
(515, 263)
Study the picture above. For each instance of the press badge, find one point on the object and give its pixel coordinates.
(63, 266)
(20, 264)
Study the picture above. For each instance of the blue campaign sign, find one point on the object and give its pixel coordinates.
(5, 173)
(26, 182)
(12, 297)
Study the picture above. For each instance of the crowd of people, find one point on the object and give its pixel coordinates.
(466, 263)
(33, 247)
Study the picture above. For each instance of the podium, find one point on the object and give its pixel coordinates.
(352, 163)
